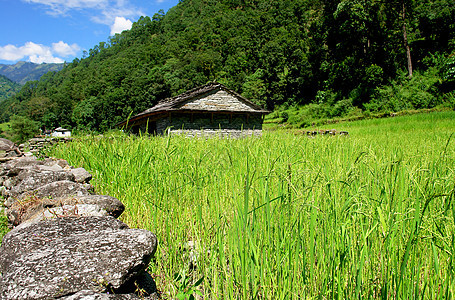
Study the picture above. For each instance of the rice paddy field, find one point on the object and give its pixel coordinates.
(285, 216)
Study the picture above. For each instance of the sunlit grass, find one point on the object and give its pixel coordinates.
(370, 215)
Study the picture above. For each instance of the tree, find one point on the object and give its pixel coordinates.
(405, 38)
(23, 128)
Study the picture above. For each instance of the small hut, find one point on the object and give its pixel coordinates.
(207, 110)
(61, 132)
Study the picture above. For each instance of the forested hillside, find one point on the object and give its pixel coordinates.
(22, 71)
(7, 88)
(372, 55)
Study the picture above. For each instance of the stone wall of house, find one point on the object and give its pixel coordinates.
(199, 125)
(221, 100)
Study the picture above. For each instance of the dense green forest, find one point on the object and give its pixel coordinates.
(7, 88)
(335, 55)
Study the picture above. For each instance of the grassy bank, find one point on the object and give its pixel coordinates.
(291, 217)
(313, 115)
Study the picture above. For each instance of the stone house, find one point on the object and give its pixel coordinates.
(207, 110)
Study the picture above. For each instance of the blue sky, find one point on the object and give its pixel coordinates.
(60, 30)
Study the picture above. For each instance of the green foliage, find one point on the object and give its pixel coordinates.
(84, 114)
(254, 87)
(402, 94)
(364, 216)
(5, 129)
(449, 68)
(187, 290)
(275, 52)
(8, 88)
(23, 128)
(3, 226)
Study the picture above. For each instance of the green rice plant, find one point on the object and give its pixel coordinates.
(369, 215)
(3, 226)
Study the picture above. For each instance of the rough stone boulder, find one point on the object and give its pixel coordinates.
(36, 209)
(64, 256)
(78, 210)
(6, 145)
(144, 282)
(81, 175)
(91, 295)
(108, 203)
(29, 180)
(13, 167)
(59, 190)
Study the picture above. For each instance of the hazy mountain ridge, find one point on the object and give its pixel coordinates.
(22, 71)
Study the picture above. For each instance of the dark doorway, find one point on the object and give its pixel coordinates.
(151, 128)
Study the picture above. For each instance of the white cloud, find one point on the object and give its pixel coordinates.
(62, 6)
(63, 49)
(107, 16)
(120, 24)
(102, 11)
(39, 53)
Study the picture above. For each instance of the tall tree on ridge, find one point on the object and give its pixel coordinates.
(405, 39)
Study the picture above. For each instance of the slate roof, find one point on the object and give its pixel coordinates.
(60, 129)
(174, 103)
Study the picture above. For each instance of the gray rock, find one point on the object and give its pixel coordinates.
(110, 204)
(77, 210)
(33, 179)
(53, 168)
(23, 162)
(55, 161)
(59, 190)
(6, 145)
(8, 183)
(63, 256)
(13, 153)
(91, 295)
(81, 175)
(21, 211)
(34, 209)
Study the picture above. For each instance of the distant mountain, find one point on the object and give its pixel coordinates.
(22, 71)
(8, 88)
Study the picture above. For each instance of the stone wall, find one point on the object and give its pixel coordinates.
(66, 242)
(36, 145)
(199, 125)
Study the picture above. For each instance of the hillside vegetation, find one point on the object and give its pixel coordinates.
(365, 216)
(338, 56)
(8, 88)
